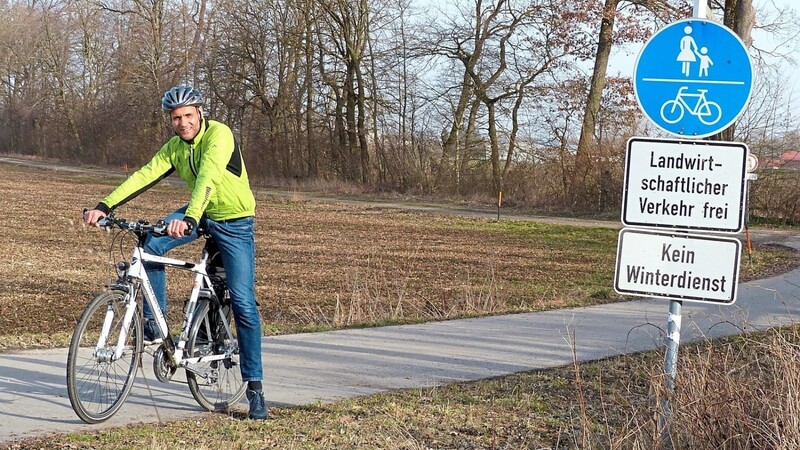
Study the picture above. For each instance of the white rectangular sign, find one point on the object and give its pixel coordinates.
(694, 185)
(677, 266)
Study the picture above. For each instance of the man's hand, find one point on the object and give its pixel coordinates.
(92, 216)
(178, 228)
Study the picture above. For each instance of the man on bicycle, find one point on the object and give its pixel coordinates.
(208, 159)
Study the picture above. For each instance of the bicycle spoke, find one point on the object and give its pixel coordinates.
(97, 384)
(216, 385)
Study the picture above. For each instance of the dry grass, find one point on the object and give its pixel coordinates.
(742, 395)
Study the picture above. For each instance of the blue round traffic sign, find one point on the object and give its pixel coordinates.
(693, 78)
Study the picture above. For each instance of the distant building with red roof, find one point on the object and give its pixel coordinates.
(789, 160)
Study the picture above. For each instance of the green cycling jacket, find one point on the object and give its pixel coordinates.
(211, 165)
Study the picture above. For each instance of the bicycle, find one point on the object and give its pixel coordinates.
(707, 112)
(107, 343)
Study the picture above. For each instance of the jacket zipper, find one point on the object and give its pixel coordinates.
(191, 161)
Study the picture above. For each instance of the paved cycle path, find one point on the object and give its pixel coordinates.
(303, 369)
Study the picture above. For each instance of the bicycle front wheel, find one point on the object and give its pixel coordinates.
(98, 382)
(216, 385)
(672, 111)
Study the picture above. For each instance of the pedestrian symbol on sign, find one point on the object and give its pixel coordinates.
(688, 51)
(706, 87)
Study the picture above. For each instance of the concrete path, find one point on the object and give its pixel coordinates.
(302, 369)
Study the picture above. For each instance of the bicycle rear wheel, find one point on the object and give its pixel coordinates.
(97, 383)
(216, 385)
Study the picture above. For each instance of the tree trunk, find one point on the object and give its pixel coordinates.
(361, 126)
(444, 178)
(740, 16)
(312, 168)
(586, 141)
(494, 145)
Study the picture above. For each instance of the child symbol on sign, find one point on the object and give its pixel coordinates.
(705, 62)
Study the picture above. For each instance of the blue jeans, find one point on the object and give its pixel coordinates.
(236, 243)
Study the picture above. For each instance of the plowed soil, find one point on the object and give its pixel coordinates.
(319, 264)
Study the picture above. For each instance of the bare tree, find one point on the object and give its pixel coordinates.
(57, 47)
(636, 29)
(452, 41)
(396, 72)
(255, 69)
(502, 51)
(21, 33)
(149, 23)
(308, 30)
(346, 29)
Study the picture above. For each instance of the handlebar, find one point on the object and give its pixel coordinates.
(140, 226)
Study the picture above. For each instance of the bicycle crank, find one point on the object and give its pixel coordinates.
(162, 366)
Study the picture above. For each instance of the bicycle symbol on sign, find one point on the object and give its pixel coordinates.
(706, 111)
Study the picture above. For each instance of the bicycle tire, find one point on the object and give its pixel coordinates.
(223, 387)
(97, 388)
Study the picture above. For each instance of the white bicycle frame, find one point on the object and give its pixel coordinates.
(137, 272)
(702, 101)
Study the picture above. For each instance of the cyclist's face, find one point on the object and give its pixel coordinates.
(186, 121)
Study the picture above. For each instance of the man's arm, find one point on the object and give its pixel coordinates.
(158, 168)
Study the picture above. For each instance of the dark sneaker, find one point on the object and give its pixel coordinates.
(258, 408)
(152, 335)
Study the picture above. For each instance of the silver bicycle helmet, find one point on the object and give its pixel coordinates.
(182, 95)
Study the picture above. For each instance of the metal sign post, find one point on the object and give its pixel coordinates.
(692, 79)
(673, 341)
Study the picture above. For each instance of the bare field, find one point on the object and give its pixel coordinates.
(319, 265)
